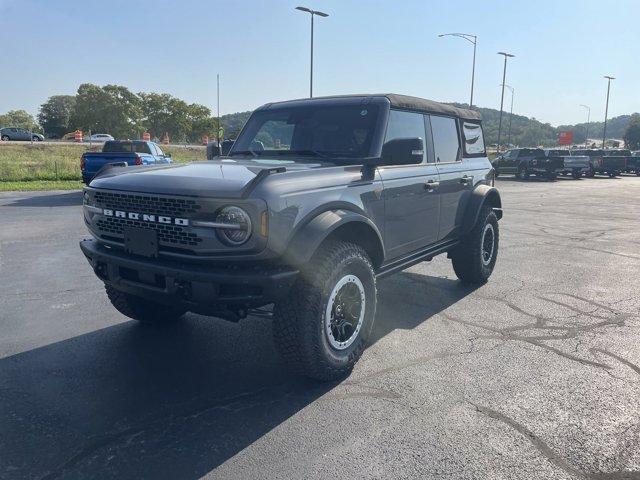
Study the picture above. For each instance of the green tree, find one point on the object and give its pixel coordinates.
(55, 114)
(19, 119)
(632, 133)
(110, 109)
(163, 113)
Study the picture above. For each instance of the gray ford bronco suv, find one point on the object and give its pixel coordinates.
(317, 199)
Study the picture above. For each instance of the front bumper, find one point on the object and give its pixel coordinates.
(199, 287)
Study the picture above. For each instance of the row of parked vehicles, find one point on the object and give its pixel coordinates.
(549, 163)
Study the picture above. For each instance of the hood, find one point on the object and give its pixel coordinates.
(222, 179)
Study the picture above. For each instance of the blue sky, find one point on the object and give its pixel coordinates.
(261, 50)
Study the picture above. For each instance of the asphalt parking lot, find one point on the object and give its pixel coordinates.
(534, 375)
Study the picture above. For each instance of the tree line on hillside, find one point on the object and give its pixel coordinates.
(114, 109)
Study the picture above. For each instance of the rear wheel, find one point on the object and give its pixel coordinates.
(474, 259)
(35, 139)
(143, 310)
(576, 173)
(5, 138)
(613, 174)
(322, 327)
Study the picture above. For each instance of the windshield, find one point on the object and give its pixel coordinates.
(330, 132)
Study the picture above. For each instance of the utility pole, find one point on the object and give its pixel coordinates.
(512, 90)
(606, 109)
(313, 14)
(218, 107)
(504, 77)
(586, 135)
(471, 39)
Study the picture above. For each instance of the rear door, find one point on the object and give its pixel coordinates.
(455, 181)
(412, 207)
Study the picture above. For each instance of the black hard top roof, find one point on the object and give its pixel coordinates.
(399, 101)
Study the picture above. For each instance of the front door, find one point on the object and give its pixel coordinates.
(412, 206)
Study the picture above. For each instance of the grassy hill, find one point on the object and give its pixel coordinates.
(525, 131)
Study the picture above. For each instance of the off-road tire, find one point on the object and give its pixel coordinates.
(299, 320)
(467, 259)
(145, 311)
(576, 174)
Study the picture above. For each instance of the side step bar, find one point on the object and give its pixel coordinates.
(420, 256)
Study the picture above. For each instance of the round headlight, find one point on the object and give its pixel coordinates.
(239, 223)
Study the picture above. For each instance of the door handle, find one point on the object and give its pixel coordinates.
(466, 180)
(431, 185)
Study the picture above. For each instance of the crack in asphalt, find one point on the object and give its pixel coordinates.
(548, 453)
(565, 332)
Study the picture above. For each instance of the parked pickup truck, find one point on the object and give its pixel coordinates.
(603, 163)
(524, 162)
(633, 163)
(630, 161)
(121, 153)
(574, 165)
(316, 201)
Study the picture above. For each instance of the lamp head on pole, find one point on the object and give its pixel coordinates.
(506, 54)
(609, 78)
(312, 12)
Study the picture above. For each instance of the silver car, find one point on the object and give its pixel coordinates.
(14, 133)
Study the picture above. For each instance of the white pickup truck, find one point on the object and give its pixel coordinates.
(575, 165)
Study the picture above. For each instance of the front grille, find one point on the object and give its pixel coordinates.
(150, 204)
(166, 233)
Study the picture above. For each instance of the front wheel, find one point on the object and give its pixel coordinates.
(523, 173)
(322, 327)
(552, 176)
(145, 311)
(35, 139)
(576, 173)
(613, 174)
(591, 173)
(5, 138)
(474, 259)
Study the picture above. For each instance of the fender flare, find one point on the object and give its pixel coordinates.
(477, 199)
(308, 238)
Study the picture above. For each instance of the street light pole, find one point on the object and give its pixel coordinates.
(313, 14)
(474, 40)
(606, 109)
(504, 77)
(512, 90)
(586, 135)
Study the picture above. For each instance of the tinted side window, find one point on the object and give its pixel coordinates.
(446, 143)
(406, 125)
(473, 138)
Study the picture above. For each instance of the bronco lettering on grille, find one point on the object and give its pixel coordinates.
(107, 212)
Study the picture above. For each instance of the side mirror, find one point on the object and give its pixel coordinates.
(402, 151)
(168, 155)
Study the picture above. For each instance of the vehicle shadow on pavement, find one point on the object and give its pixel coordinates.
(130, 401)
(52, 200)
(411, 299)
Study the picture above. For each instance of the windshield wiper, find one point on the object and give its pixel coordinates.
(314, 153)
(243, 152)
